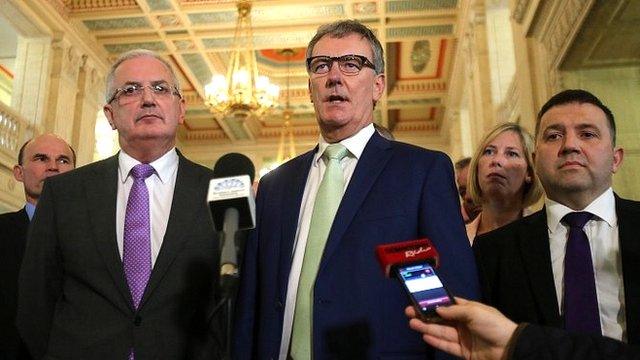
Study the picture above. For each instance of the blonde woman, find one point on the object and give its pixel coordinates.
(501, 178)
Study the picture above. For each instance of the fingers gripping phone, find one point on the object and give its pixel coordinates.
(426, 290)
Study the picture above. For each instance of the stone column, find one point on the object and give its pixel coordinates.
(65, 67)
(31, 78)
(88, 104)
(480, 70)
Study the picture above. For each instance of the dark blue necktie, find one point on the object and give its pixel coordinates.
(580, 299)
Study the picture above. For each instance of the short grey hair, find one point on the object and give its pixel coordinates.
(132, 54)
(343, 28)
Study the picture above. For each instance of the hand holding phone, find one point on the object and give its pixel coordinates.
(425, 289)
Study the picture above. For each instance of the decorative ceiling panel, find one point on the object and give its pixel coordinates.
(419, 5)
(197, 37)
(118, 24)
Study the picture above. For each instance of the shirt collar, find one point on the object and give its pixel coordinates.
(604, 207)
(355, 144)
(30, 209)
(163, 166)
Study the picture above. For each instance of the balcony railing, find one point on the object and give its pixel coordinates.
(14, 131)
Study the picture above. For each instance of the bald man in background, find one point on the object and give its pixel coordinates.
(43, 156)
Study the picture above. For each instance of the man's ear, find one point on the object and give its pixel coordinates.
(183, 110)
(379, 84)
(18, 173)
(108, 113)
(618, 155)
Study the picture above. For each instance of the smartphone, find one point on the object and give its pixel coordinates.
(426, 290)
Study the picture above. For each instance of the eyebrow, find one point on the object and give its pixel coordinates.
(581, 126)
(152, 82)
(37, 155)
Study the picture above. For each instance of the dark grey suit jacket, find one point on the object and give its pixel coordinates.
(514, 265)
(546, 343)
(74, 302)
(13, 237)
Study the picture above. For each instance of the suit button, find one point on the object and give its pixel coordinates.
(323, 301)
(137, 320)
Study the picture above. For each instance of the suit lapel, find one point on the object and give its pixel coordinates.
(187, 195)
(536, 255)
(290, 213)
(628, 216)
(373, 159)
(101, 196)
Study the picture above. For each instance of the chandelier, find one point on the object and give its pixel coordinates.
(242, 92)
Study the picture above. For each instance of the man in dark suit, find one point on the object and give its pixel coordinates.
(311, 286)
(122, 257)
(43, 156)
(546, 270)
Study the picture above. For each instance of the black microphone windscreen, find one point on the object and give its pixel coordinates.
(234, 164)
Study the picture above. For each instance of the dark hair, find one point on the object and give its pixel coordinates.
(462, 163)
(21, 152)
(581, 97)
(342, 28)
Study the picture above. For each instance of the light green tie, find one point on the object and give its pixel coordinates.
(325, 207)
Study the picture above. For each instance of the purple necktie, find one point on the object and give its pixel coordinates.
(136, 252)
(580, 299)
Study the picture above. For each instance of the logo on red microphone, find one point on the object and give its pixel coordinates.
(416, 252)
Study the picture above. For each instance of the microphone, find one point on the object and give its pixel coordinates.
(405, 253)
(232, 205)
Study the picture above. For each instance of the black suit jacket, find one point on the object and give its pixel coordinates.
(13, 237)
(514, 265)
(545, 343)
(74, 302)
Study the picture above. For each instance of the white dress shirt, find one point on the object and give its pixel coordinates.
(355, 144)
(602, 232)
(160, 185)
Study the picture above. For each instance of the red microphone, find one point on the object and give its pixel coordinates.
(406, 252)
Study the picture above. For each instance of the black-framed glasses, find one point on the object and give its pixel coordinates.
(349, 64)
(132, 92)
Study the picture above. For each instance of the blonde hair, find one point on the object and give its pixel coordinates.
(533, 190)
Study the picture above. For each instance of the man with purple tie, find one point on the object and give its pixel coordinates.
(574, 264)
(122, 258)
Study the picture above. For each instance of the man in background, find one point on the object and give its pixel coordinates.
(574, 264)
(469, 209)
(43, 156)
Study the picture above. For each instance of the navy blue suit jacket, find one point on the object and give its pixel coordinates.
(397, 192)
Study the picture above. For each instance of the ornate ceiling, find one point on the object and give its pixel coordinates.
(608, 37)
(197, 35)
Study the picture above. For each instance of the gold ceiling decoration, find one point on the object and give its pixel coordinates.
(242, 93)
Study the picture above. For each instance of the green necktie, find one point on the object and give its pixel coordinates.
(325, 207)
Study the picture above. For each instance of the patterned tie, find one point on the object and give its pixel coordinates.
(325, 207)
(580, 299)
(136, 252)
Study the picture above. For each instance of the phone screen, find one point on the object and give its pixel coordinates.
(424, 287)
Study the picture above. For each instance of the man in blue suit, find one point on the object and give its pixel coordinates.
(311, 286)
